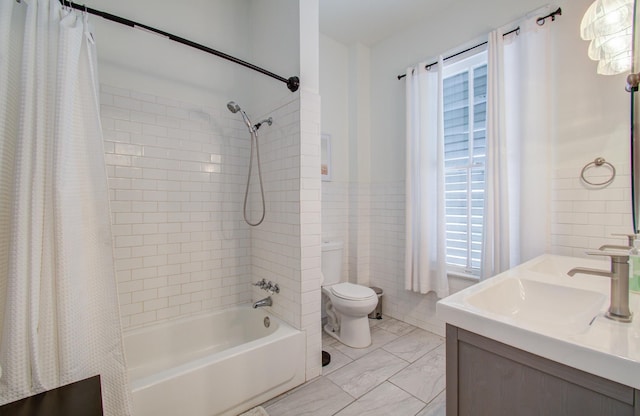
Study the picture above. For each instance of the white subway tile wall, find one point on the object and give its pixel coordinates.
(176, 181)
(584, 216)
(286, 247)
(310, 229)
(177, 175)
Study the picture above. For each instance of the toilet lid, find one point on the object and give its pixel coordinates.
(350, 291)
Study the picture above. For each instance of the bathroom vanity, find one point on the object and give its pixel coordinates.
(486, 377)
(534, 341)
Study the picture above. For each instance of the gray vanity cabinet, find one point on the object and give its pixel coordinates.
(486, 377)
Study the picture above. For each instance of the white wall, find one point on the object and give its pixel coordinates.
(277, 51)
(451, 29)
(590, 119)
(334, 86)
(133, 59)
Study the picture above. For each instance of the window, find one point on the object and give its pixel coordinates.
(465, 107)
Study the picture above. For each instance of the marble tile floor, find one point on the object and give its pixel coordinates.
(402, 373)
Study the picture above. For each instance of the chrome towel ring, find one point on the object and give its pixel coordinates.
(599, 161)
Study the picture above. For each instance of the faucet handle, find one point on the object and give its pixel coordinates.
(631, 238)
(261, 283)
(616, 255)
(271, 287)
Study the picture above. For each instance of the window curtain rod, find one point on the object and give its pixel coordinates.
(540, 21)
(292, 82)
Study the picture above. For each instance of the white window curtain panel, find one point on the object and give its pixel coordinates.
(425, 255)
(59, 318)
(517, 193)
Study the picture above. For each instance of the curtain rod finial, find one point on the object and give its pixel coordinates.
(293, 84)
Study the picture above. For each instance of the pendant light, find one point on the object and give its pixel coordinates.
(608, 24)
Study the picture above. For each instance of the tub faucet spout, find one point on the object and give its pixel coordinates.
(263, 302)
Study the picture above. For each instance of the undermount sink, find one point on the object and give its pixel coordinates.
(538, 305)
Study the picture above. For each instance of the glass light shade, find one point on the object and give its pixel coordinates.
(606, 47)
(615, 65)
(608, 24)
(606, 17)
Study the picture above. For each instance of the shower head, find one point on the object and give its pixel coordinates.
(234, 108)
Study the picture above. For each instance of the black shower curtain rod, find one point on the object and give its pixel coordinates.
(540, 21)
(292, 82)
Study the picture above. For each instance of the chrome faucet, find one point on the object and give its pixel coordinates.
(265, 302)
(619, 275)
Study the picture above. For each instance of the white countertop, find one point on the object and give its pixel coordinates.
(606, 348)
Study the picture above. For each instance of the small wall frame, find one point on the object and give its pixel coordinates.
(325, 157)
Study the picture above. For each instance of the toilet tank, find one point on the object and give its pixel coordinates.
(331, 262)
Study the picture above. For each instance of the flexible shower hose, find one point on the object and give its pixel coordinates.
(254, 138)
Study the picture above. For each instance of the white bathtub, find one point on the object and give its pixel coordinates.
(221, 363)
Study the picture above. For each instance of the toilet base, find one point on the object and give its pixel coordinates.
(354, 332)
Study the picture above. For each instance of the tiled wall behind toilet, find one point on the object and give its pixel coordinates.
(335, 218)
(582, 217)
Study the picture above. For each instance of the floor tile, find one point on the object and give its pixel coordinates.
(379, 337)
(384, 400)
(319, 398)
(401, 373)
(338, 360)
(425, 378)
(414, 345)
(395, 327)
(375, 322)
(364, 374)
(327, 339)
(437, 407)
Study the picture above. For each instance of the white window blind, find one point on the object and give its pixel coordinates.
(465, 95)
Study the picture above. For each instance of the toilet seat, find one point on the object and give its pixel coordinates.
(350, 291)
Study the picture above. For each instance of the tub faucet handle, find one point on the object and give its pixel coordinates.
(272, 288)
(261, 283)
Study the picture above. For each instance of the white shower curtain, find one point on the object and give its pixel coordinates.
(517, 193)
(425, 251)
(60, 320)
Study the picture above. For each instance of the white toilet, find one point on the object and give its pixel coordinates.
(347, 305)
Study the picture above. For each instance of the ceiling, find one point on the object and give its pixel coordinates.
(370, 21)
